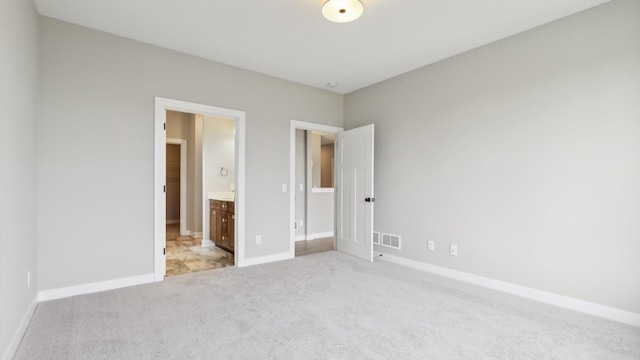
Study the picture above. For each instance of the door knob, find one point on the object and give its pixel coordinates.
(370, 199)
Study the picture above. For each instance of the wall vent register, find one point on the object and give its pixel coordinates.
(390, 241)
(376, 238)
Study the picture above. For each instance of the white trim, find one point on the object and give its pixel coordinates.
(195, 234)
(90, 288)
(320, 235)
(161, 105)
(322, 190)
(295, 124)
(207, 242)
(171, 222)
(13, 344)
(562, 301)
(183, 183)
(314, 236)
(266, 259)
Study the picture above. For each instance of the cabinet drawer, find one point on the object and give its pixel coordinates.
(222, 205)
(226, 206)
(215, 204)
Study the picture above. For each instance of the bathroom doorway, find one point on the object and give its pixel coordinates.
(213, 139)
(197, 144)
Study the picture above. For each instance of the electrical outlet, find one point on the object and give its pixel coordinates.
(301, 187)
(301, 223)
(258, 239)
(28, 278)
(453, 250)
(432, 245)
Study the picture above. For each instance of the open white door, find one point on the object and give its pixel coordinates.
(354, 198)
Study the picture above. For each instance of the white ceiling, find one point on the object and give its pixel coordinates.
(290, 39)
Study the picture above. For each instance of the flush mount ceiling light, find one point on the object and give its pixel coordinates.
(342, 11)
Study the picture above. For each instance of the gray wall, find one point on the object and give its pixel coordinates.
(98, 90)
(18, 74)
(301, 179)
(320, 213)
(525, 153)
(194, 158)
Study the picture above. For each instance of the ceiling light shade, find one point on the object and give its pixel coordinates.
(342, 11)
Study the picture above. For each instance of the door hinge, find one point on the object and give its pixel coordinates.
(164, 251)
(165, 126)
(164, 188)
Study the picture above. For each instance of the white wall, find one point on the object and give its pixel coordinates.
(98, 90)
(218, 150)
(18, 85)
(525, 153)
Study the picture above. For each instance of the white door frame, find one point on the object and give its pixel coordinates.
(183, 183)
(161, 107)
(302, 125)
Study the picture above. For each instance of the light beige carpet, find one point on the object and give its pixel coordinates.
(322, 306)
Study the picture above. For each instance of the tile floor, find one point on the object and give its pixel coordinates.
(186, 255)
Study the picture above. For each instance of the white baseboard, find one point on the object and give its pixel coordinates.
(314, 236)
(195, 234)
(171, 222)
(264, 259)
(566, 302)
(207, 242)
(12, 347)
(95, 287)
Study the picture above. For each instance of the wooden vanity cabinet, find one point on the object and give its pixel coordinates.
(221, 224)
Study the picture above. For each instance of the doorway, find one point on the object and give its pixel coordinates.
(197, 146)
(162, 105)
(314, 192)
(353, 182)
(312, 196)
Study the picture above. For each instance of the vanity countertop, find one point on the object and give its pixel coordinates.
(222, 196)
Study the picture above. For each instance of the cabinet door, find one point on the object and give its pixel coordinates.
(216, 226)
(224, 229)
(232, 231)
(212, 224)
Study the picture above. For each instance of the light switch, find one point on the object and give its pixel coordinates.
(284, 188)
(301, 187)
